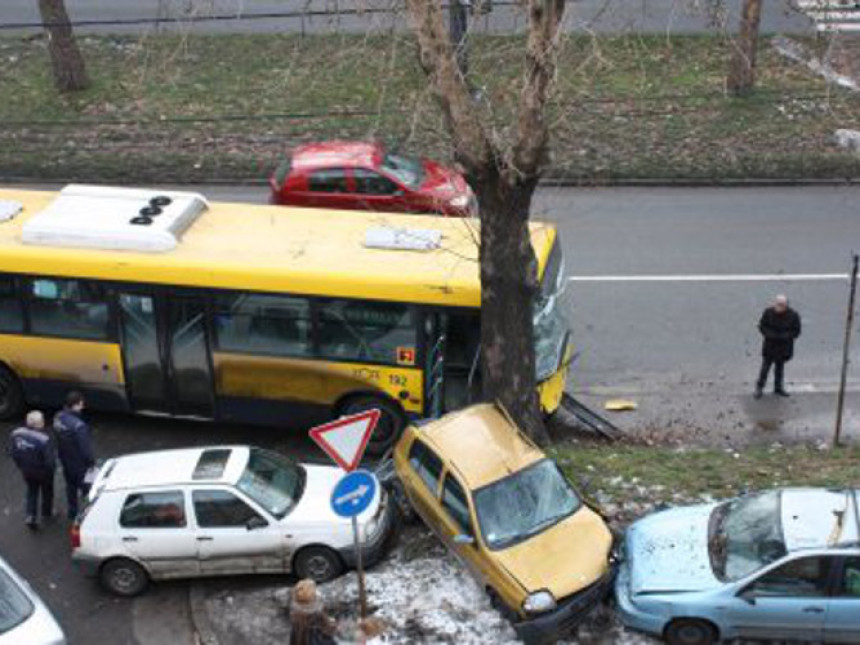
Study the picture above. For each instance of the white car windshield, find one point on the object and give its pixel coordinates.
(406, 169)
(524, 504)
(745, 534)
(272, 481)
(15, 607)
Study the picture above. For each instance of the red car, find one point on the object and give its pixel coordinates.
(363, 176)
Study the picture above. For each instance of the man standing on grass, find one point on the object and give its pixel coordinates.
(780, 326)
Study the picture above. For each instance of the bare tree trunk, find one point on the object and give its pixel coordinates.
(70, 73)
(741, 78)
(508, 288)
(504, 178)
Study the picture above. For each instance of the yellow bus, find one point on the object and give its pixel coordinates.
(159, 302)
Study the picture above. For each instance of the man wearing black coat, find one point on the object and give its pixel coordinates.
(780, 326)
(33, 452)
(75, 448)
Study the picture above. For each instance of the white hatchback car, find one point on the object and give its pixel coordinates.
(219, 511)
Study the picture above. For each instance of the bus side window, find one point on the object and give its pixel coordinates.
(262, 324)
(365, 331)
(11, 311)
(69, 309)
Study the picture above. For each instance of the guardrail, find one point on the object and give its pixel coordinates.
(833, 15)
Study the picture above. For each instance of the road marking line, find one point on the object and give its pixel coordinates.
(765, 277)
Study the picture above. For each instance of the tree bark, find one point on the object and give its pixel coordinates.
(509, 285)
(67, 63)
(504, 176)
(741, 79)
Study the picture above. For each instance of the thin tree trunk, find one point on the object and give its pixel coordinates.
(741, 78)
(504, 178)
(70, 73)
(508, 288)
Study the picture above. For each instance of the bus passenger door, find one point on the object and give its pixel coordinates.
(189, 358)
(462, 355)
(166, 354)
(145, 378)
(434, 382)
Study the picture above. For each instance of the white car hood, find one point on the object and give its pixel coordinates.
(668, 551)
(314, 507)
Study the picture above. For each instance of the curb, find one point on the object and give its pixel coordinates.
(549, 181)
(203, 627)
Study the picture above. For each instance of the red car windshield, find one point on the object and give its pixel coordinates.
(407, 170)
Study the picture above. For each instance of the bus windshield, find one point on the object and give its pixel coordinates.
(550, 325)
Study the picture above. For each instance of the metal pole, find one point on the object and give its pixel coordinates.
(362, 596)
(458, 26)
(846, 359)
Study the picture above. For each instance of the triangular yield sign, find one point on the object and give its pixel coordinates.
(345, 439)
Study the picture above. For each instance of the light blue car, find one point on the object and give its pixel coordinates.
(781, 564)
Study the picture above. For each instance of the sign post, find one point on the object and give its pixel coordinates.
(345, 440)
(846, 349)
(350, 498)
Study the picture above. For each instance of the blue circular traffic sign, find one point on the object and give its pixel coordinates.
(353, 493)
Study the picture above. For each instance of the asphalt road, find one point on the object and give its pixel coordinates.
(684, 350)
(598, 16)
(87, 614)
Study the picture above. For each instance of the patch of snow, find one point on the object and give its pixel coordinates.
(425, 600)
(796, 52)
(432, 598)
(848, 139)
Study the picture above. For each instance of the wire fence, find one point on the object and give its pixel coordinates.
(306, 13)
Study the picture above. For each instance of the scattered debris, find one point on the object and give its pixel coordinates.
(620, 405)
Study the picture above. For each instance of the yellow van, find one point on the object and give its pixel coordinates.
(505, 509)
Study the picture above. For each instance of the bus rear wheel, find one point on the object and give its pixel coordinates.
(11, 395)
(389, 428)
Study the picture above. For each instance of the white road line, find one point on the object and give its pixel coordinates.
(764, 277)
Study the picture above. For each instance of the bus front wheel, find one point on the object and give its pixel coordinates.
(389, 428)
(11, 395)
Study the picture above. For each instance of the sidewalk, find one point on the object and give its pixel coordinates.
(719, 412)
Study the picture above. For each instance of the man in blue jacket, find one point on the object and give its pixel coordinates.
(75, 448)
(33, 452)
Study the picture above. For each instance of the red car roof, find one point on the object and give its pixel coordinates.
(340, 154)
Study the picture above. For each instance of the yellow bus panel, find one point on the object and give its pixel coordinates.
(60, 359)
(277, 249)
(313, 381)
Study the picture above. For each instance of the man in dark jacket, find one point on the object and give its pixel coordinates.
(33, 452)
(75, 448)
(780, 326)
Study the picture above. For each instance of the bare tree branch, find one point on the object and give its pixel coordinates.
(437, 56)
(530, 147)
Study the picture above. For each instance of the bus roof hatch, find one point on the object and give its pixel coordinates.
(126, 219)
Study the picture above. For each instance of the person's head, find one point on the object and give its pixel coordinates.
(305, 592)
(780, 303)
(75, 401)
(35, 420)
